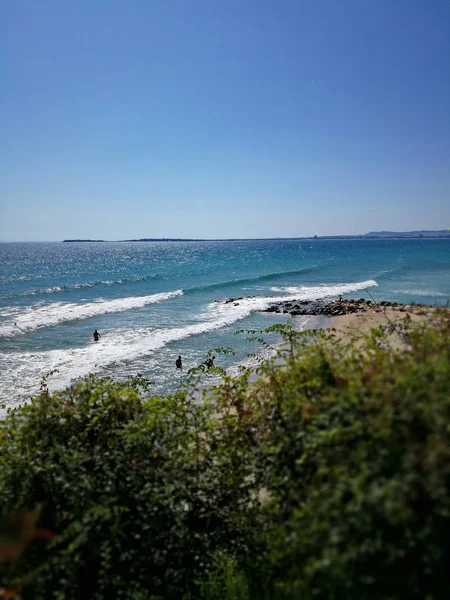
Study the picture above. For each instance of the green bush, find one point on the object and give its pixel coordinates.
(139, 503)
(328, 477)
(358, 467)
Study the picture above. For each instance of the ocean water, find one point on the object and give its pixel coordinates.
(152, 301)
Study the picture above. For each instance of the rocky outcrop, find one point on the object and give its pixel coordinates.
(332, 308)
(320, 307)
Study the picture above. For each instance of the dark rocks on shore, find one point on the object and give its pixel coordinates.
(332, 308)
(320, 307)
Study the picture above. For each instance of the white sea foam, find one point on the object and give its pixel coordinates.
(242, 308)
(26, 368)
(121, 346)
(58, 288)
(323, 291)
(60, 312)
(50, 290)
(78, 286)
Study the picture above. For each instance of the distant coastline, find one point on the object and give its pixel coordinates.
(85, 240)
(422, 234)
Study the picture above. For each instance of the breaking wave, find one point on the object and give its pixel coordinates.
(91, 284)
(122, 346)
(323, 291)
(61, 312)
(250, 280)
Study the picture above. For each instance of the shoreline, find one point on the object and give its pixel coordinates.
(349, 317)
(354, 317)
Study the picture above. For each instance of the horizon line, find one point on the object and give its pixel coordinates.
(437, 233)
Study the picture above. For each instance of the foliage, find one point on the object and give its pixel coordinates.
(358, 467)
(327, 477)
(136, 497)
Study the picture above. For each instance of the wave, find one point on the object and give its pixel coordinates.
(421, 293)
(242, 308)
(91, 284)
(398, 271)
(123, 346)
(250, 280)
(323, 291)
(118, 347)
(61, 312)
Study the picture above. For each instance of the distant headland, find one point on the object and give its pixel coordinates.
(421, 234)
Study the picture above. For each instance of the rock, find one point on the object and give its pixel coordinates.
(233, 300)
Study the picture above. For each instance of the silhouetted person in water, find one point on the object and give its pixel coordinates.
(210, 362)
(96, 335)
(178, 362)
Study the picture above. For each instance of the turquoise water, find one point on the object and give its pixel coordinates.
(153, 301)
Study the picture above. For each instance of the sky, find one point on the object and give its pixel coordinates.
(223, 118)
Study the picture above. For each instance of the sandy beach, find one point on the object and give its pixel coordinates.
(348, 325)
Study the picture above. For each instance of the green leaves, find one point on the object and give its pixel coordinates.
(131, 486)
(322, 474)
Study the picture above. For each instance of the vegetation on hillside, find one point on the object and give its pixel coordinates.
(327, 478)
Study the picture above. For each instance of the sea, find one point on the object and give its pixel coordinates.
(153, 301)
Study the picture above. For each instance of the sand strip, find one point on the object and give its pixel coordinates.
(362, 322)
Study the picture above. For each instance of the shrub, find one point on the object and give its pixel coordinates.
(357, 467)
(138, 501)
(328, 477)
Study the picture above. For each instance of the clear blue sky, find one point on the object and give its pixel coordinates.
(223, 118)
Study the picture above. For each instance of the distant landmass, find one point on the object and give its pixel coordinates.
(168, 240)
(423, 233)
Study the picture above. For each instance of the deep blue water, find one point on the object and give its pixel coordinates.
(153, 301)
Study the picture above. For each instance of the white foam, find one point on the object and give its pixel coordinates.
(304, 292)
(25, 369)
(73, 286)
(60, 312)
(22, 371)
(50, 290)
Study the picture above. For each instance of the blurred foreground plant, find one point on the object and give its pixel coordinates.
(326, 476)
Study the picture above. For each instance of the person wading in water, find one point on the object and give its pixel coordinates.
(96, 336)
